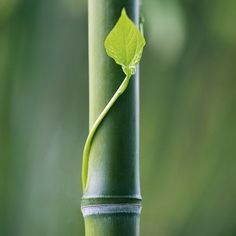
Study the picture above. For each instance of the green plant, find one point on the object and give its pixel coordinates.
(125, 45)
(110, 172)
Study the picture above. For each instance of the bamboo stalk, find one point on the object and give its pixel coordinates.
(111, 202)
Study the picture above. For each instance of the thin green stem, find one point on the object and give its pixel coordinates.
(95, 126)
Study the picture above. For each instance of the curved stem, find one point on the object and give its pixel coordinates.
(95, 126)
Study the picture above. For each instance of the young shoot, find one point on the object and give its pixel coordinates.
(125, 45)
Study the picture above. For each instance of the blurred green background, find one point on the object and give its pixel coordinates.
(188, 117)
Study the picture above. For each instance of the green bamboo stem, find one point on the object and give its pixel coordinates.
(111, 200)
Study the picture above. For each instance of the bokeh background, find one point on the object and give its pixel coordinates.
(188, 117)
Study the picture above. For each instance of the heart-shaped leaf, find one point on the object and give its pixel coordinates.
(125, 43)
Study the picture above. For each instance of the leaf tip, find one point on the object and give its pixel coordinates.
(123, 12)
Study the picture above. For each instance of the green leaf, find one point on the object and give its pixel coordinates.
(125, 44)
